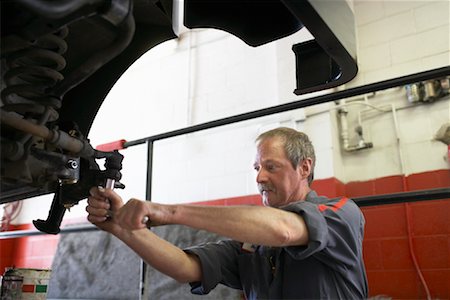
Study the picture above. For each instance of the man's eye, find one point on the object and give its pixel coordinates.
(271, 168)
(256, 168)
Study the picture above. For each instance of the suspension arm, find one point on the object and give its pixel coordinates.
(56, 137)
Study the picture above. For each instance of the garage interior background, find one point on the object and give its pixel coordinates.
(206, 75)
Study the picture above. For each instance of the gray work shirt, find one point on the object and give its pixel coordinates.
(330, 267)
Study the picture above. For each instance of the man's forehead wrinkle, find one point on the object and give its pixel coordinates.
(273, 151)
(268, 161)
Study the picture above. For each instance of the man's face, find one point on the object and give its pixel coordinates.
(278, 182)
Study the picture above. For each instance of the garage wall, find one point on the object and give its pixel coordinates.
(401, 37)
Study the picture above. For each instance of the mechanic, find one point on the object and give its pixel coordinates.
(297, 246)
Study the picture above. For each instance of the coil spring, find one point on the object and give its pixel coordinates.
(31, 73)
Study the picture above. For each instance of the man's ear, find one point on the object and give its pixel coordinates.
(305, 167)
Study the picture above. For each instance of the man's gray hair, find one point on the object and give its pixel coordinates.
(297, 146)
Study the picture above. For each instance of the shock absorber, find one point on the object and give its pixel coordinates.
(30, 75)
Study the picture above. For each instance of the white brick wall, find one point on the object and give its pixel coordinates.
(401, 37)
(213, 164)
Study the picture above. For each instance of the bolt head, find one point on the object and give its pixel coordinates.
(72, 164)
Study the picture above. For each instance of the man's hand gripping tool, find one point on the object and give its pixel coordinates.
(67, 195)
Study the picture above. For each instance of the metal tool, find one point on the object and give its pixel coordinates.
(110, 183)
(113, 165)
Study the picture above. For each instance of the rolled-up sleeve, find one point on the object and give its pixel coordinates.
(335, 232)
(317, 230)
(219, 265)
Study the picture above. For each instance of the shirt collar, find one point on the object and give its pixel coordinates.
(312, 197)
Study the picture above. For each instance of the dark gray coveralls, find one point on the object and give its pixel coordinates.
(330, 267)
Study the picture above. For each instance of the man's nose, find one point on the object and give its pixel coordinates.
(261, 176)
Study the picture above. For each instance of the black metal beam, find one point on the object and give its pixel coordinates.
(148, 192)
(414, 196)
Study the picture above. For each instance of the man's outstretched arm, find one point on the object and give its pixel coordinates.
(162, 255)
(253, 224)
